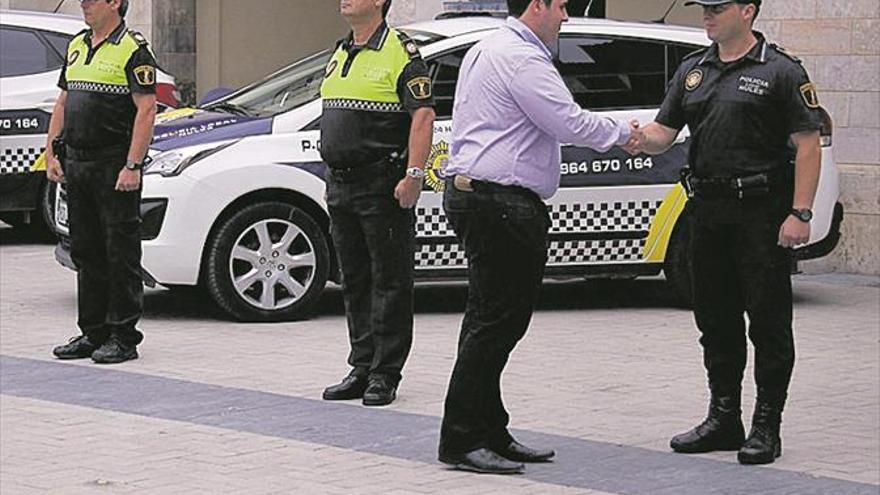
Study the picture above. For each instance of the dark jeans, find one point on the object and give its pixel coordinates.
(739, 268)
(375, 243)
(504, 234)
(105, 232)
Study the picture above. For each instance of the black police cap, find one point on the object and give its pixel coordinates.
(756, 3)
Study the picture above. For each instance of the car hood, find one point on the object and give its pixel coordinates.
(191, 126)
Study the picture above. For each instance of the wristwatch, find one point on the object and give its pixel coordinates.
(802, 214)
(415, 173)
(133, 165)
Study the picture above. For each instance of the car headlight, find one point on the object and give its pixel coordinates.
(166, 164)
(172, 163)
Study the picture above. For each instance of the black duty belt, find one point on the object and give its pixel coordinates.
(97, 153)
(749, 186)
(383, 168)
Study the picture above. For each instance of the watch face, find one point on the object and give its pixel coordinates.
(803, 215)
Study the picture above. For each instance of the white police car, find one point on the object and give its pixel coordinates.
(233, 200)
(34, 46)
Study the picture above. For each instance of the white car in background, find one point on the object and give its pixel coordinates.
(234, 198)
(33, 48)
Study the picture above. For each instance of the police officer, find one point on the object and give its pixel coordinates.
(755, 160)
(378, 104)
(105, 112)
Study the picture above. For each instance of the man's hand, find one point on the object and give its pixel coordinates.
(53, 169)
(793, 232)
(128, 180)
(636, 141)
(407, 192)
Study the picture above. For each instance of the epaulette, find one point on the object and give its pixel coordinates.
(695, 53)
(339, 43)
(81, 33)
(412, 49)
(782, 51)
(138, 38)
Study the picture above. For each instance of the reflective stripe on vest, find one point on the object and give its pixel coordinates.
(371, 82)
(106, 71)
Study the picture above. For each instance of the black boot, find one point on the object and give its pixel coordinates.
(721, 430)
(764, 444)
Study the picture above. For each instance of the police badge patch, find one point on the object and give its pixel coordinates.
(810, 95)
(693, 80)
(420, 88)
(437, 161)
(145, 75)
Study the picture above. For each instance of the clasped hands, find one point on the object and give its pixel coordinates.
(637, 140)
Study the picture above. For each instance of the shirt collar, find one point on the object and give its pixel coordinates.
(376, 41)
(758, 53)
(115, 37)
(529, 36)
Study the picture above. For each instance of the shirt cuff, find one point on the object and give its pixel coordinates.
(625, 133)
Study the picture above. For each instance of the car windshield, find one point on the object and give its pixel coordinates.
(284, 90)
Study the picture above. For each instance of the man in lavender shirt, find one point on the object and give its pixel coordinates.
(511, 112)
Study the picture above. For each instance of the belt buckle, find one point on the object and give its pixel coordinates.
(463, 183)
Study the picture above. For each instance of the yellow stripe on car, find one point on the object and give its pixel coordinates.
(664, 221)
(39, 164)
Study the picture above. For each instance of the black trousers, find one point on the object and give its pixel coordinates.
(739, 269)
(375, 244)
(105, 232)
(504, 234)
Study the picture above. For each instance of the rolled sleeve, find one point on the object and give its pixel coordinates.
(801, 102)
(542, 95)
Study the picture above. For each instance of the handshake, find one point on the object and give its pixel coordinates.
(637, 140)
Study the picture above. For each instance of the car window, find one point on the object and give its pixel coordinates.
(611, 73)
(285, 90)
(24, 53)
(58, 41)
(445, 74)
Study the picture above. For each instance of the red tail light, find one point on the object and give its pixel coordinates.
(826, 130)
(167, 95)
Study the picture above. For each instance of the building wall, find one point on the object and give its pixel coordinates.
(839, 42)
(239, 43)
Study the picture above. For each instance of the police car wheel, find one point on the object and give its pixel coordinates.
(47, 207)
(267, 262)
(676, 266)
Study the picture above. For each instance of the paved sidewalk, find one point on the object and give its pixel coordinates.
(608, 372)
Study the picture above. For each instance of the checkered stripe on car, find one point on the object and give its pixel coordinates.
(18, 160)
(609, 250)
(440, 256)
(362, 106)
(620, 216)
(431, 222)
(93, 87)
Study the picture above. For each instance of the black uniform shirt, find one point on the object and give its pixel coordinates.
(741, 114)
(102, 115)
(359, 125)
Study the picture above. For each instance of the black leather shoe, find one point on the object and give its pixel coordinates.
(114, 352)
(77, 348)
(518, 452)
(482, 461)
(764, 444)
(379, 393)
(721, 430)
(351, 387)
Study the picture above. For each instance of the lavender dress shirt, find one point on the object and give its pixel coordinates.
(512, 110)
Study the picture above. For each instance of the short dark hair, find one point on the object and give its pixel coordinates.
(385, 8)
(517, 8)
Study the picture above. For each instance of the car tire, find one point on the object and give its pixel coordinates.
(250, 273)
(47, 207)
(677, 265)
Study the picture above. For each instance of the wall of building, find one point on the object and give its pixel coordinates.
(839, 42)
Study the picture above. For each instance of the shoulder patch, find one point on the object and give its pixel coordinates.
(138, 37)
(810, 95)
(783, 51)
(145, 75)
(412, 49)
